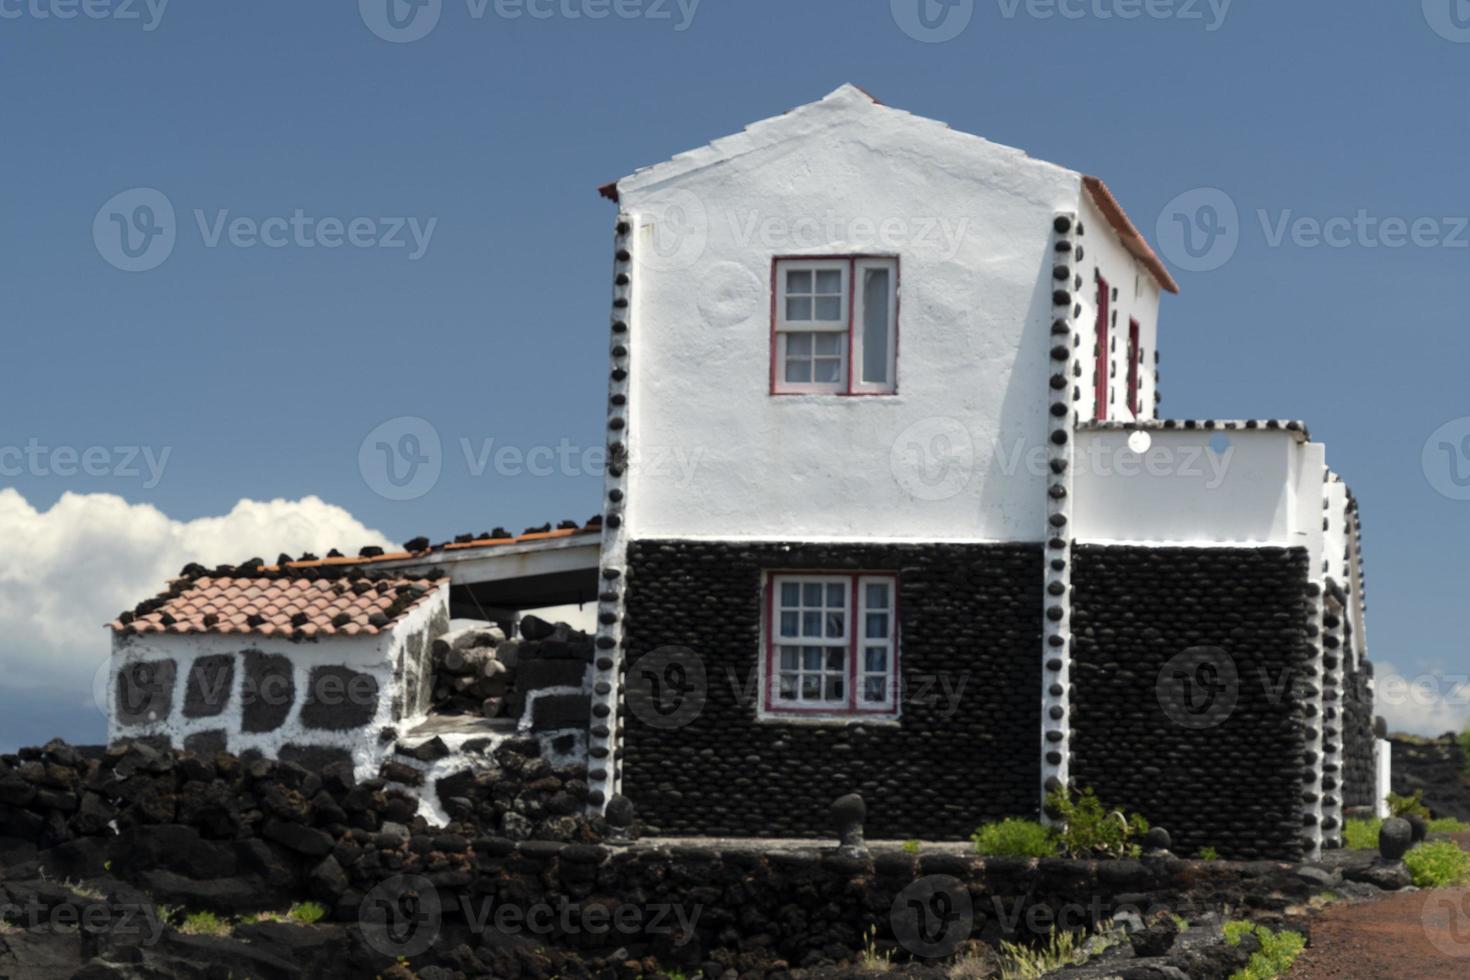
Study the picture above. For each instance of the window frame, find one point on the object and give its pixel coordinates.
(854, 646)
(850, 370)
(1135, 393)
(1103, 360)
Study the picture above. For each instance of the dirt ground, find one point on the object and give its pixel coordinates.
(1423, 935)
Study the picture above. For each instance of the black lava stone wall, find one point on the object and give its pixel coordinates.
(1359, 772)
(970, 616)
(1237, 785)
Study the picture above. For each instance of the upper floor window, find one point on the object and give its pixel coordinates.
(835, 328)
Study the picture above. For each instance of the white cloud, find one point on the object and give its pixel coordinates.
(67, 571)
(1429, 703)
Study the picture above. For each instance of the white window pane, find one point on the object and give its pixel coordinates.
(836, 595)
(811, 594)
(834, 689)
(877, 626)
(798, 308)
(788, 624)
(836, 659)
(827, 371)
(790, 594)
(829, 309)
(829, 281)
(790, 658)
(877, 595)
(875, 326)
(811, 658)
(798, 344)
(788, 687)
(811, 687)
(835, 626)
(875, 689)
(828, 344)
(799, 281)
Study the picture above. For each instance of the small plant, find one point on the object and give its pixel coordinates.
(1448, 825)
(911, 847)
(871, 958)
(204, 924)
(1091, 830)
(1438, 864)
(83, 891)
(107, 865)
(1208, 854)
(1180, 922)
(976, 963)
(1408, 806)
(1015, 838)
(1278, 951)
(1361, 835)
(1021, 962)
(306, 913)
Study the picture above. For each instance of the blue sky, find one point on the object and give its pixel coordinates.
(261, 370)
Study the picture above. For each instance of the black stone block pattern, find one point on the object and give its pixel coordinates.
(267, 693)
(969, 615)
(1236, 786)
(211, 680)
(1359, 773)
(339, 699)
(145, 691)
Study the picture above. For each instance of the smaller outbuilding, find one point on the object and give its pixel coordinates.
(312, 665)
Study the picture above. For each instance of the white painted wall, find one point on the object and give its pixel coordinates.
(1134, 295)
(716, 455)
(1258, 489)
(380, 656)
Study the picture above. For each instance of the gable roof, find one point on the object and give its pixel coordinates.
(828, 112)
(269, 603)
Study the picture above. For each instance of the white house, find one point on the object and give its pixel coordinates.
(927, 538)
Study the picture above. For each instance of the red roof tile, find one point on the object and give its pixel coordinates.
(291, 607)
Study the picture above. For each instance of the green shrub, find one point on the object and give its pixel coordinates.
(1015, 838)
(911, 847)
(1438, 864)
(1404, 806)
(1208, 854)
(1361, 835)
(1091, 830)
(306, 913)
(1277, 953)
(1020, 962)
(1448, 825)
(204, 924)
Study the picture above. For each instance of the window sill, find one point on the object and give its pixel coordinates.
(797, 720)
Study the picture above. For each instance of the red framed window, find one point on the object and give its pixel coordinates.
(831, 644)
(1133, 402)
(834, 326)
(1101, 381)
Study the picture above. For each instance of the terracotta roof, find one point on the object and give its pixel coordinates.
(419, 547)
(265, 602)
(1133, 239)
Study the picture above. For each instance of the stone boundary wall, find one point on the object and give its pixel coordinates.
(237, 838)
(1223, 763)
(963, 751)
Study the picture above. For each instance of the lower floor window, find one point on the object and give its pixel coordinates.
(832, 644)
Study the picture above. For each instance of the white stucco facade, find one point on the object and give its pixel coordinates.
(716, 454)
